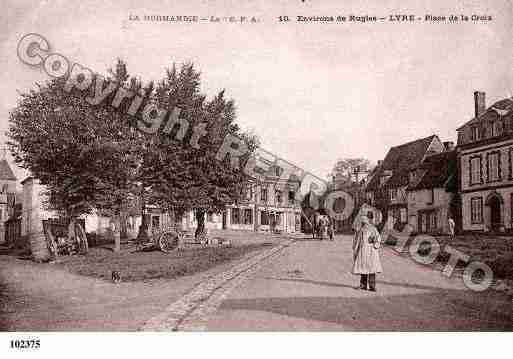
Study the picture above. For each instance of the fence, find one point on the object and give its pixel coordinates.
(13, 231)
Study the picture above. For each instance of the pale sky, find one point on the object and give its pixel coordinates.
(313, 92)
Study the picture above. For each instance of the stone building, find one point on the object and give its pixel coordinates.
(268, 205)
(485, 160)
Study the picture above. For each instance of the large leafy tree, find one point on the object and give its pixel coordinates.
(185, 177)
(89, 157)
(86, 156)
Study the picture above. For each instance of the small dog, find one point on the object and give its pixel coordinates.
(116, 276)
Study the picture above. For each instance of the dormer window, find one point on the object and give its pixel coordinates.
(496, 128)
(474, 133)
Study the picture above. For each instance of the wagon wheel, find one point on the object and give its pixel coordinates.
(168, 241)
(202, 238)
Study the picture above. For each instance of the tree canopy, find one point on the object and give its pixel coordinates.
(90, 157)
(344, 168)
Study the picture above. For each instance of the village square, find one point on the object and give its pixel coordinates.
(286, 172)
(261, 250)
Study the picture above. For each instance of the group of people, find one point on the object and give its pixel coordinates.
(323, 227)
(366, 245)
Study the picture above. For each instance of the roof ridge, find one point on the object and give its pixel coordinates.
(414, 141)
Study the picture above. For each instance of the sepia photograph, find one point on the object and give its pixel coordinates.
(298, 168)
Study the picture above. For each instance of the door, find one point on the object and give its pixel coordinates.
(495, 213)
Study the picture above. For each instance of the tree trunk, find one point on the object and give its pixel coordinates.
(71, 231)
(81, 237)
(143, 228)
(117, 233)
(200, 219)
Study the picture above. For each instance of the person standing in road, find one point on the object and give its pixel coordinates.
(330, 228)
(366, 262)
(451, 227)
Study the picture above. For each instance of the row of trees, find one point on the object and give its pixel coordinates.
(93, 157)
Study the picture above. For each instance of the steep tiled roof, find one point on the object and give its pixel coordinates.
(6, 173)
(436, 170)
(400, 160)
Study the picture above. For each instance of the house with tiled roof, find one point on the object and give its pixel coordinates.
(485, 160)
(431, 190)
(387, 186)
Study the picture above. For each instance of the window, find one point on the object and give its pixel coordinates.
(235, 215)
(155, 222)
(511, 162)
(264, 218)
(248, 216)
(431, 198)
(474, 133)
(413, 176)
(277, 171)
(511, 201)
(497, 128)
(402, 215)
(278, 197)
(393, 194)
(423, 222)
(249, 193)
(475, 170)
(476, 210)
(433, 224)
(494, 171)
(292, 196)
(263, 194)
(210, 217)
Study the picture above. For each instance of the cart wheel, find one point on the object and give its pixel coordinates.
(168, 241)
(202, 238)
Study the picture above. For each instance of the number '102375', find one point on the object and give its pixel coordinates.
(26, 344)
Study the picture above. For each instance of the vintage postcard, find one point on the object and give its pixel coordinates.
(255, 166)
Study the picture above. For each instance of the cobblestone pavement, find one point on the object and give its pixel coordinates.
(192, 310)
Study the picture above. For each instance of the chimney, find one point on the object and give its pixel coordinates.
(449, 145)
(380, 162)
(479, 103)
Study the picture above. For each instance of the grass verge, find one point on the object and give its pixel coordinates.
(495, 251)
(139, 266)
